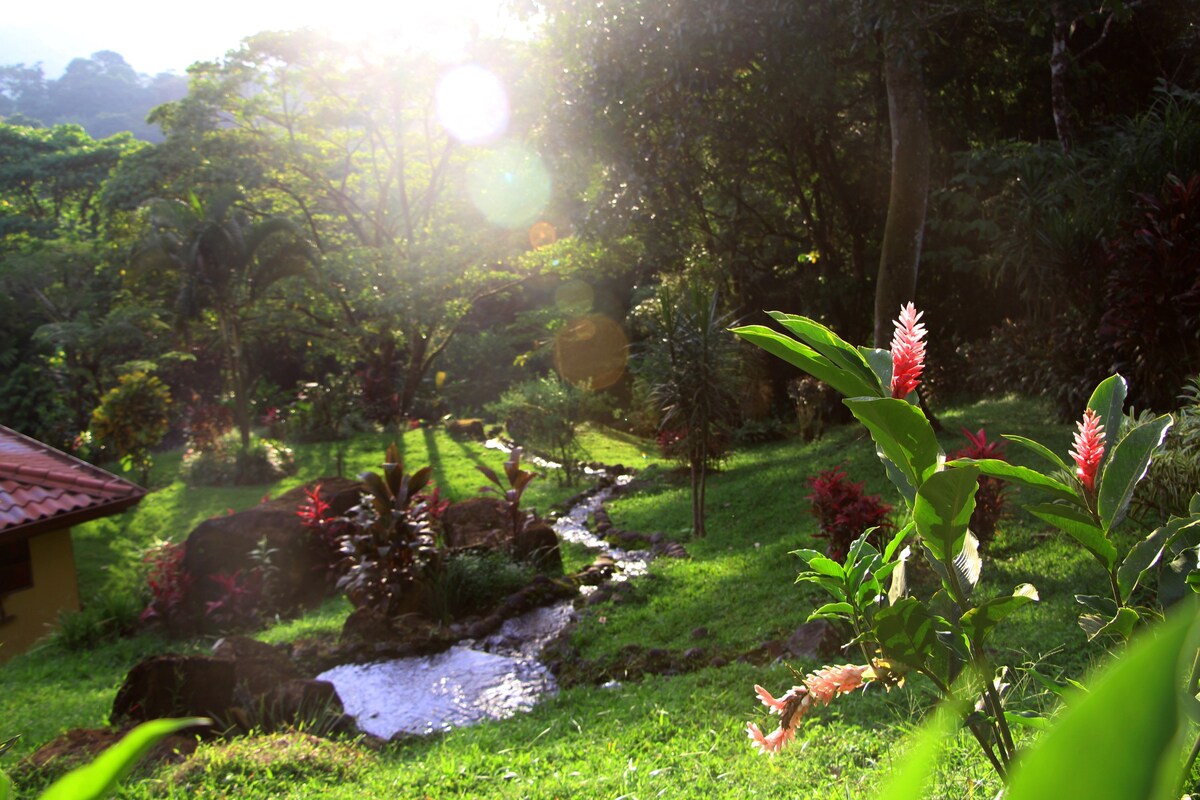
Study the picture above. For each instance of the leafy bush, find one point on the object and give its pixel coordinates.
(518, 481)
(473, 583)
(205, 423)
(991, 498)
(1151, 322)
(322, 412)
(226, 464)
(843, 510)
(168, 582)
(545, 414)
(108, 616)
(1174, 476)
(132, 419)
(390, 558)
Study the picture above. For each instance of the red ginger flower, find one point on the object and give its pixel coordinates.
(908, 351)
(819, 687)
(1089, 449)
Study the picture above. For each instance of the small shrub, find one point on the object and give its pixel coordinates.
(240, 601)
(473, 583)
(843, 510)
(518, 481)
(205, 423)
(991, 499)
(168, 582)
(225, 464)
(321, 412)
(132, 419)
(1174, 474)
(109, 616)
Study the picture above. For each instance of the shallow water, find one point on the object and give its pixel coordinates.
(474, 681)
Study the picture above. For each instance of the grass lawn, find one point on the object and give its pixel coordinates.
(664, 736)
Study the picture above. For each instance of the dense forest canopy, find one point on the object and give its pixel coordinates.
(1002, 162)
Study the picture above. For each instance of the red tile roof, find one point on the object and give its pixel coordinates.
(43, 489)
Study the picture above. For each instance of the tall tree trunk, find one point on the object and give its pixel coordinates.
(905, 228)
(1060, 60)
(237, 374)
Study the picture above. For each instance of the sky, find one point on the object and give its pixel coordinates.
(156, 36)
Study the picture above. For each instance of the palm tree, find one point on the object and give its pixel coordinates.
(226, 262)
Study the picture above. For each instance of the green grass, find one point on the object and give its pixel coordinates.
(678, 736)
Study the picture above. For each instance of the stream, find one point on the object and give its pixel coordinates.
(473, 681)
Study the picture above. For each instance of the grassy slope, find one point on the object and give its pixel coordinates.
(667, 736)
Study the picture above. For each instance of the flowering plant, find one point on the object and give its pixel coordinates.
(945, 636)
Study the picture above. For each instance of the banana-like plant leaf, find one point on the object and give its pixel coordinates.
(943, 510)
(832, 611)
(1079, 526)
(880, 362)
(807, 359)
(908, 633)
(99, 777)
(978, 622)
(1027, 719)
(902, 432)
(1108, 400)
(1125, 466)
(1145, 554)
(1120, 740)
(1041, 450)
(830, 345)
(1121, 624)
(1021, 476)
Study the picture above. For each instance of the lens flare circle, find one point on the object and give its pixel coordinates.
(509, 185)
(472, 105)
(591, 350)
(542, 234)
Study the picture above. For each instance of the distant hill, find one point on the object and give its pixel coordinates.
(101, 93)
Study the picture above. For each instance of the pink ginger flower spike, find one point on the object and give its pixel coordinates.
(819, 687)
(908, 351)
(1089, 449)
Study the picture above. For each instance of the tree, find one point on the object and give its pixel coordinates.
(690, 364)
(226, 262)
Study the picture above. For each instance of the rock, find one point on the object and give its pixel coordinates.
(258, 667)
(718, 661)
(473, 522)
(700, 633)
(693, 654)
(312, 702)
(222, 546)
(812, 640)
(466, 429)
(668, 549)
(366, 625)
(176, 686)
(537, 545)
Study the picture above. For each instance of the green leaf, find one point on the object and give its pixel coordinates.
(907, 632)
(902, 432)
(1121, 625)
(832, 346)
(827, 566)
(1108, 400)
(1027, 719)
(912, 773)
(1021, 476)
(99, 777)
(1144, 555)
(801, 355)
(1120, 740)
(1125, 466)
(832, 611)
(5, 787)
(1041, 450)
(881, 364)
(943, 510)
(979, 621)
(1079, 526)
(1067, 690)
(889, 551)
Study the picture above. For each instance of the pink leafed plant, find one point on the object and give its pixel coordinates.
(819, 687)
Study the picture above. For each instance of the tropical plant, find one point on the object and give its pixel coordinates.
(388, 549)
(844, 511)
(132, 419)
(941, 635)
(225, 263)
(517, 480)
(690, 364)
(991, 499)
(226, 463)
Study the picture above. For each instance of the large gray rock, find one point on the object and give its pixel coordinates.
(475, 522)
(301, 561)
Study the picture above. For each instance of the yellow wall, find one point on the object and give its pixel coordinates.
(34, 610)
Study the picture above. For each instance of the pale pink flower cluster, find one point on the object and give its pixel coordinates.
(908, 351)
(1089, 449)
(819, 687)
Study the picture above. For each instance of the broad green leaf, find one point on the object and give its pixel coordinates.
(943, 510)
(1067, 690)
(902, 432)
(804, 357)
(889, 551)
(1144, 555)
(1120, 740)
(5, 787)
(1079, 526)
(1104, 606)
(831, 611)
(827, 566)
(830, 345)
(979, 621)
(1194, 505)
(906, 487)
(881, 364)
(1027, 719)
(1108, 400)
(1121, 624)
(908, 632)
(1040, 449)
(1021, 476)
(1125, 466)
(99, 777)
